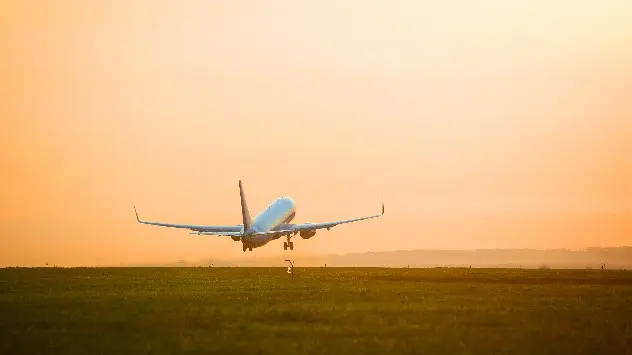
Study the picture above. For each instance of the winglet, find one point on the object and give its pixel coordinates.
(137, 219)
(382, 207)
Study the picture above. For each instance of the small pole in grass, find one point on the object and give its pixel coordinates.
(290, 268)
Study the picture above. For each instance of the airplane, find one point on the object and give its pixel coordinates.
(272, 223)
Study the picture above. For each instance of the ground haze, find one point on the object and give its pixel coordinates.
(588, 258)
(320, 311)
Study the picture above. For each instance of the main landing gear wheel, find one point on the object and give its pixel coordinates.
(244, 248)
(288, 244)
(250, 249)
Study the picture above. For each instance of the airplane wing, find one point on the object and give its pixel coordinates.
(227, 230)
(313, 226)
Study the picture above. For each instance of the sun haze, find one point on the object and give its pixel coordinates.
(489, 124)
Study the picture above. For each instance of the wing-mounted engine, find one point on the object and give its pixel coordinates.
(306, 234)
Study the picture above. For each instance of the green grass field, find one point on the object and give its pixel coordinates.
(322, 311)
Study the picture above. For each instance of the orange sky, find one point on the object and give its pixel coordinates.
(483, 124)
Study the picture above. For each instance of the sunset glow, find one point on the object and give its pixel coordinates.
(489, 124)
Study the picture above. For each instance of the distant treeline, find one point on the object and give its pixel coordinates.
(593, 257)
(557, 258)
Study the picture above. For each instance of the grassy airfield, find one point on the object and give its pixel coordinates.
(322, 311)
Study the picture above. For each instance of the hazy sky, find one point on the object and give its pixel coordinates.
(483, 124)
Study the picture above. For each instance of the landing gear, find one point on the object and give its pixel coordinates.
(250, 249)
(244, 248)
(288, 244)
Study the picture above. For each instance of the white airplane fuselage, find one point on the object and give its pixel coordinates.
(281, 211)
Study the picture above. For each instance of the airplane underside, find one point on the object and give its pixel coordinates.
(250, 244)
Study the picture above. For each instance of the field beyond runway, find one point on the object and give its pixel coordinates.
(323, 311)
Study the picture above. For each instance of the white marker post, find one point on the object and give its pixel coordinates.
(290, 269)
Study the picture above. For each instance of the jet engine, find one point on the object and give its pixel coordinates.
(307, 234)
(236, 238)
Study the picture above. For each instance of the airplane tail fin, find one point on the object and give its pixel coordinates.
(245, 214)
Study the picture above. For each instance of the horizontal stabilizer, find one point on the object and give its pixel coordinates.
(223, 234)
(275, 232)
